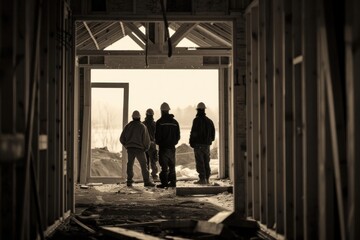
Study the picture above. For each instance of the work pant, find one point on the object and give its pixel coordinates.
(152, 158)
(140, 156)
(167, 164)
(202, 160)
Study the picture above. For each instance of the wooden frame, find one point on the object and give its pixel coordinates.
(110, 179)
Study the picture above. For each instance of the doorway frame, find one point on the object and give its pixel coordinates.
(109, 179)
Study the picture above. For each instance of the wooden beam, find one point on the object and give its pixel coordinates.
(298, 124)
(309, 114)
(91, 35)
(213, 36)
(184, 191)
(133, 28)
(182, 32)
(176, 52)
(121, 233)
(85, 138)
(263, 109)
(289, 120)
(270, 108)
(279, 85)
(249, 121)
(255, 112)
(352, 53)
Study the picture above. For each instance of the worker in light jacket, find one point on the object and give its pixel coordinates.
(135, 138)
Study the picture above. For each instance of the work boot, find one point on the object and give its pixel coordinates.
(149, 184)
(161, 186)
(200, 181)
(129, 183)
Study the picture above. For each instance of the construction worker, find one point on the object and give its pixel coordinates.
(151, 154)
(136, 140)
(202, 134)
(167, 135)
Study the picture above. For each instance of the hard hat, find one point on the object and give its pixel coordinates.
(149, 111)
(164, 107)
(136, 115)
(200, 105)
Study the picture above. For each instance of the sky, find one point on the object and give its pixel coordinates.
(150, 88)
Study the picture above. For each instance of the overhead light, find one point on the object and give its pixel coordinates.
(191, 48)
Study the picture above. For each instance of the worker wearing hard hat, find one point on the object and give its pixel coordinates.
(151, 154)
(136, 140)
(167, 135)
(202, 134)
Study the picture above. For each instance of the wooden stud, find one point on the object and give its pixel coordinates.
(255, 112)
(309, 114)
(249, 132)
(279, 84)
(223, 172)
(270, 108)
(352, 53)
(263, 109)
(85, 153)
(298, 124)
(289, 121)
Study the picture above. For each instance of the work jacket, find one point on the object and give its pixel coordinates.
(167, 131)
(135, 135)
(202, 131)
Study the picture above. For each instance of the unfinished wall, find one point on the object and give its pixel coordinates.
(36, 184)
(299, 147)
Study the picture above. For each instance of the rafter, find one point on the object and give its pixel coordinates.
(213, 36)
(91, 35)
(136, 31)
(181, 32)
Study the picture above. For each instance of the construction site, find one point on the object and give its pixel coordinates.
(279, 80)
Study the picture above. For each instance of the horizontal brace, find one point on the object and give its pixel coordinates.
(297, 60)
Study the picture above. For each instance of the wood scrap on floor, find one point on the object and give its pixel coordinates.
(185, 191)
(121, 233)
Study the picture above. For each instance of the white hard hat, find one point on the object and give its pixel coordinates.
(164, 107)
(149, 111)
(136, 115)
(200, 105)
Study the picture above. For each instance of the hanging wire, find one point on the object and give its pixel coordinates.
(167, 35)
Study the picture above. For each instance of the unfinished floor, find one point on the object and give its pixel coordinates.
(163, 213)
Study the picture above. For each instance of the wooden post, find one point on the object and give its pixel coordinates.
(279, 115)
(289, 120)
(263, 108)
(298, 124)
(255, 111)
(249, 131)
(309, 114)
(270, 177)
(352, 53)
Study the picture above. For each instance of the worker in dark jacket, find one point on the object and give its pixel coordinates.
(151, 154)
(167, 135)
(136, 140)
(202, 134)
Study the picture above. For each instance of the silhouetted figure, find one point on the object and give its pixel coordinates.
(167, 135)
(136, 140)
(201, 136)
(151, 154)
